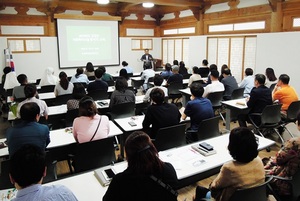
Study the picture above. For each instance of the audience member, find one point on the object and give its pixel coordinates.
(79, 77)
(105, 77)
(229, 83)
(182, 68)
(89, 125)
(28, 131)
(271, 78)
(195, 76)
(126, 67)
(198, 109)
(49, 78)
(18, 91)
(260, 97)
(30, 94)
(224, 66)
(121, 94)
(146, 74)
(247, 82)
(284, 164)
(78, 94)
(10, 81)
(139, 181)
(167, 72)
(89, 69)
(215, 85)
(204, 70)
(6, 70)
(175, 63)
(284, 93)
(160, 114)
(158, 80)
(98, 84)
(123, 73)
(211, 68)
(176, 77)
(64, 86)
(244, 171)
(27, 170)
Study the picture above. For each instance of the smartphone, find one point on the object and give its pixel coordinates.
(131, 123)
(108, 174)
(206, 146)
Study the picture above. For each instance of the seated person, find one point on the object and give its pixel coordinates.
(203, 71)
(260, 97)
(78, 93)
(160, 114)
(138, 181)
(18, 92)
(98, 84)
(158, 80)
(211, 68)
(121, 93)
(28, 131)
(198, 109)
(247, 82)
(271, 77)
(27, 170)
(244, 171)
(89, 69)
(105, 77)
(167, 72)
(79, 77)
(49, 77)
(146, 74)
(10, 80)
(284, 93)
(229, 83)
(30, 94)
(182, 68)
(126, 67)
(285, 164)
(64, 86)
(123, 73)
(89, 125)
(215, 85)
(176, 77)
(195, 76)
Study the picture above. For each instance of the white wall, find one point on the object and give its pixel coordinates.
(197, 50)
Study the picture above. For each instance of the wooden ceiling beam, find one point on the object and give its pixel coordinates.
(181, 3)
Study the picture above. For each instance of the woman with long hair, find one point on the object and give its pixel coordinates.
(64, 86)
(121, 93)
(271, 78)
(78, 93)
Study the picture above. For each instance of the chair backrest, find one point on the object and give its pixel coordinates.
(4, 176)
(91, 77)
(208, 128)
(296, 185)
(9, 92)
(37, 81)
(271, 114)
(98, 94)
(173, 88)
(94, 154)
(293, 110)
(47, 88)
(186, 76)
(237, 93)
(170, 137)
(199, 81)
(62, 99)
(216, 98)
(123, 110)
(110, 82)
(257, 193)
(84, 84)
(70, 116)
(272, 86)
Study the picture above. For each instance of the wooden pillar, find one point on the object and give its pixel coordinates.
(277, 18)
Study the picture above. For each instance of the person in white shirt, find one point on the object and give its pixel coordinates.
(49, 78)
(195, 76)
(215, 85)
(158, 80)
(128, 68)
(79, 77)
(247, 82)
(147, 73)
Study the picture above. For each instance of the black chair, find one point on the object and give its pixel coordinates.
(272, 86)
(173, 91)
(62, 99)
(4, 176)
(199, 81)
(208, 128)
(130, 74)
(237, 93)
(170, 137)
(94, 154)
(98, 94)
(9, 92)
(82, 83)
(37, 82)
(70, 116)
(216, 101)
(186, 76)
(110, 82)
(47, 88)
(291, 115)
(270, 119)
(51, 174)
(91, 78)
(122, 110)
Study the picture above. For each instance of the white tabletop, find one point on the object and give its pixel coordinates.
(186, 91)
(237, 103)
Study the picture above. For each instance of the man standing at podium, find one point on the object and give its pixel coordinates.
(147, 58)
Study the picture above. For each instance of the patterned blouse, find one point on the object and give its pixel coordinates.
(73, 104)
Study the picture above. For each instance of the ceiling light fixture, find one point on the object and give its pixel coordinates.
(102, 1)
(148, 5)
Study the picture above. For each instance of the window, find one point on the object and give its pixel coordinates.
(296, 22)
(188, 30)
(175, 49)
(141, 44)
(237, 26)
(24, 45)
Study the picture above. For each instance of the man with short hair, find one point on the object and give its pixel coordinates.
(27, 169)
(146, 74)
(18, 91)
(98, 84)
(247, 82)
(229, 83)
(176, 77)
(283, 92)
(158, 80)
(198, 109)
(28, 131)
(215, 85)
(147, 58)
(160, 114)
(260, 97)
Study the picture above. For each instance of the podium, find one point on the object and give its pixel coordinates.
(155, 63)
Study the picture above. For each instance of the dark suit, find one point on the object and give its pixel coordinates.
(147, 60)
(260, 97)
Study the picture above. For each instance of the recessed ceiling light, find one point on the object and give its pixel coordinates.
(102, 1)
(148, 5)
